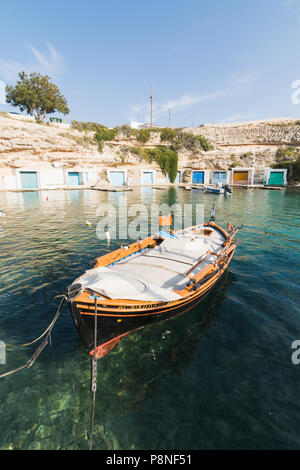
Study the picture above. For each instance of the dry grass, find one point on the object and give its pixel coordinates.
(84, 141)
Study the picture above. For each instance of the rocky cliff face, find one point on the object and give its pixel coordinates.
(24, 143)
(253, 144)
(269, 132)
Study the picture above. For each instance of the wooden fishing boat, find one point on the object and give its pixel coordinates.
(148, 281)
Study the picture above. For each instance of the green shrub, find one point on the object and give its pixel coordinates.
(104, 134)
(168, 135)
(246, 155)
(126, 130)
(288, 153)
(204, 143)
(192, 142)
(143, 135)
(165, 157)
(87, 126)
(293, 166)
(136, 151)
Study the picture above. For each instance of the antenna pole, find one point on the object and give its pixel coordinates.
(151, 99)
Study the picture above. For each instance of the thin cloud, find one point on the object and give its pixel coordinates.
(239, 79)
(236, 86)
(287, 3)
(46, 63)
(184, 101)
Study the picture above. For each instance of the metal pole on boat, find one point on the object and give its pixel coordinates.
(107, 234)
(94, 377)
(213, 214)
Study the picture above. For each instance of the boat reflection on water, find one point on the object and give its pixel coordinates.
(146, 356)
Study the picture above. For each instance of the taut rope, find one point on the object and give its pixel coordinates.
(41, 346)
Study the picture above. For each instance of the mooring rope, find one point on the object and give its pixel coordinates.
(94, 377)
(41, 346)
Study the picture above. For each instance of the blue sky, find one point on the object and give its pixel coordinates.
(214, 60)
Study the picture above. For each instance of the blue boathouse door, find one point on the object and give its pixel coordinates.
(219, 177)
(148, 177)
(29, 180)
(73, 179)
(198, 177)
(117, 178)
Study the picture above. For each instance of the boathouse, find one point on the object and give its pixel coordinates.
(200, 176)
(220, 176)
(117, 177)
(133, 176)
(147, 176)
(242, 176)
(32, 178)
(276, 177)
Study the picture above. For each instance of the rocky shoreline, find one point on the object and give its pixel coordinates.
(27, 145)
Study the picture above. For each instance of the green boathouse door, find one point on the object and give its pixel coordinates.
(276, 178)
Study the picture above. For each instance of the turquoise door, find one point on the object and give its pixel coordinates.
(117, 178)
(147, 177)
(73, 179)
(276, 177)
(219, 177)
(29, 180)
(198, 177)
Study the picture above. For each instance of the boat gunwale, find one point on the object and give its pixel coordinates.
(118, 308)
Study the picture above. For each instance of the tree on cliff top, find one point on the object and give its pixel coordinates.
(37, 95)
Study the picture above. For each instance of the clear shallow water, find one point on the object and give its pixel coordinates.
(217, 377)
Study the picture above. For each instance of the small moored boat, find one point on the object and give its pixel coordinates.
(215, 189)
(219, 189)
(148, 281)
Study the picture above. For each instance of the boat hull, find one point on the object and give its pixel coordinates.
(112, 327)
(214, 191)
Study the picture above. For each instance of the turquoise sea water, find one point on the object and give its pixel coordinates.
(217, 377)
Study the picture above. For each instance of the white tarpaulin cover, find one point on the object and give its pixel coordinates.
(154, 274)
(116, 285)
